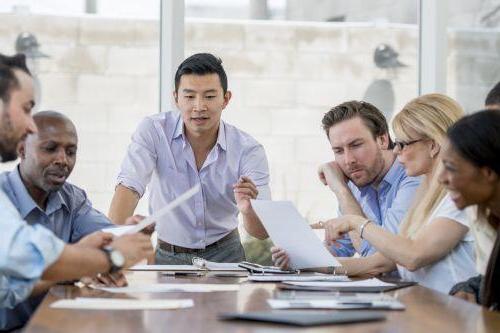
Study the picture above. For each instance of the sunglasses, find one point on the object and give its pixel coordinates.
(402, 144)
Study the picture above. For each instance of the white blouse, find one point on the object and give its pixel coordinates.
(457, 266)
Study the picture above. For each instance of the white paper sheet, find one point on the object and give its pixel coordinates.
(124, 230)
(286, 278)
(85, 303)
(175, 268)
(170, 287)
(291, 232)
(392, 304)
(373, 282)
(119, 231)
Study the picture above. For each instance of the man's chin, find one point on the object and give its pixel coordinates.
(361, 182)
(53, 187)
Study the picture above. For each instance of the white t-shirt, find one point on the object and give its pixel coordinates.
(457, 266)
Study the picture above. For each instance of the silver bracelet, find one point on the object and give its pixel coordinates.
(362, 228)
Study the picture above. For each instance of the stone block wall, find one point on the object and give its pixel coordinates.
(103, 73)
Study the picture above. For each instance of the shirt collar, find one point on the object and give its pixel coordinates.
(389, 179)
(394, 173)
(179, 133)
(25, 203)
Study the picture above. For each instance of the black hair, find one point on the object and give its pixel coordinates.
(493, 97)
(475, 137)
(8, 79)
(201, 64)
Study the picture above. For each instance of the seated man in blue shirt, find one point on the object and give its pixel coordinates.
(40, 192)
(30, 252)
(365, 175)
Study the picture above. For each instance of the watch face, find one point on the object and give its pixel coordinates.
(117, 258)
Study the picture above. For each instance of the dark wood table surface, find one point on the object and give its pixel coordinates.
(426, 311)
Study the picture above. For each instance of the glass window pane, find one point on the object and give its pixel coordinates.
(100, 69)
(297, 61)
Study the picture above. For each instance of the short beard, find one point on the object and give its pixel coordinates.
(374, 174)
(8, 143)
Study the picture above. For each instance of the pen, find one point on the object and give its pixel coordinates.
(369, 304)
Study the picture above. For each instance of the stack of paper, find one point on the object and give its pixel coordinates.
(297, 278)
(85, 303)
(170, 287)
(360, 286)
(337, 303)
(166, 268)
(327, 284)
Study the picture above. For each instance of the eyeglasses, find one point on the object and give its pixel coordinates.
(402, 144)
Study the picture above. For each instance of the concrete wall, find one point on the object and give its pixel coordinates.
(284, 76)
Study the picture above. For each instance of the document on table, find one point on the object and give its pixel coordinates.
(176, 268)
(170, 287)
(373, 282)
(87, 303)
(131, 229)
(217, 266)
(289, 231)
(388, 304)
(302, 278)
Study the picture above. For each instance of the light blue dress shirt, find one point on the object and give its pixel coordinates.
(25, 252)
(385, 205)
(161, 158)
(69, 215)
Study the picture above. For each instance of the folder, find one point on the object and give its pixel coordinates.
(305, 318)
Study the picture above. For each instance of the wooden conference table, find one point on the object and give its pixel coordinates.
(426, 311)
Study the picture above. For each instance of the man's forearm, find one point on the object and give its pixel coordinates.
(347, 202)
(75, 262)
(123, 204)
(41, 287)
(254, 226)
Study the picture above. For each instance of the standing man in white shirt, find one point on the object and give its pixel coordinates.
(173, 151)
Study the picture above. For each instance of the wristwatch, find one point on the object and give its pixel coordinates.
(115, 258)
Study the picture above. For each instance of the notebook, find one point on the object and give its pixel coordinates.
(298, 277)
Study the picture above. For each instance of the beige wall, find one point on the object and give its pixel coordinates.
(103, 73)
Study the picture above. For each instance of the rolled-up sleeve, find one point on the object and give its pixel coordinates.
(87, 219)
(140, 160)
(255, 166)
